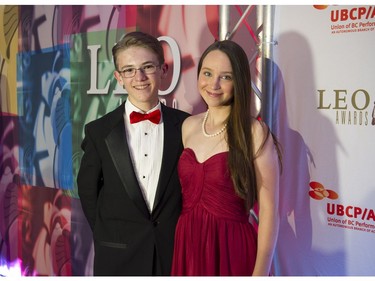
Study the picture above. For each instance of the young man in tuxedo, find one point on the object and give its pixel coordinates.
(128, 182)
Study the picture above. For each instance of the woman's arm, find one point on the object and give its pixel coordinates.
(267, 172)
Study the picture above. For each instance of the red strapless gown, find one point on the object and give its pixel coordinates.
(213, 234)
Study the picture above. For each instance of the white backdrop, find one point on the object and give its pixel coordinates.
(325, 83)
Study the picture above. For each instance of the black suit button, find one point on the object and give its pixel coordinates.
(155, 223)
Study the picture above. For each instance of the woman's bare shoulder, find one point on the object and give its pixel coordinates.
(193, 120)
(191, 125)
(259, 129)
(260, 132)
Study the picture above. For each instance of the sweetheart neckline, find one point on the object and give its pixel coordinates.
(195, 156)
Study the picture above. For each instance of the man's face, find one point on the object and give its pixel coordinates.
(143, 87)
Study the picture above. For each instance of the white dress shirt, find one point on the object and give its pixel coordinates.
(145, 140)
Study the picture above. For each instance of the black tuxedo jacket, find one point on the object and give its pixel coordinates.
(128, 239)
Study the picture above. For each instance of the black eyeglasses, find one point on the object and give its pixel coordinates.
(130, 72)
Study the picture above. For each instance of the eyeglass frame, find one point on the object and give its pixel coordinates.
(142, 68)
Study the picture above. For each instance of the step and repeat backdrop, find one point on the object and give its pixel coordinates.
(324, 81)
(56, 74)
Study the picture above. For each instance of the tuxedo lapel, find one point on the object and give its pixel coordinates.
(170, 157)
(118, 148)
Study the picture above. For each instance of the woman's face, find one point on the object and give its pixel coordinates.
(215, 80)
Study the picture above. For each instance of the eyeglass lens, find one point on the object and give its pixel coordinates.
(131, 71)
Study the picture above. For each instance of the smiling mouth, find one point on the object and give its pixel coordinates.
(213, 94)
(141, 87)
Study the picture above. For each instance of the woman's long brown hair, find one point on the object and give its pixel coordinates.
(239, 136)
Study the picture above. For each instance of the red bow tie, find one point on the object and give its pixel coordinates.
(154, 117)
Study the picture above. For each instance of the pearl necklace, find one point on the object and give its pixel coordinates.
(211, 135)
